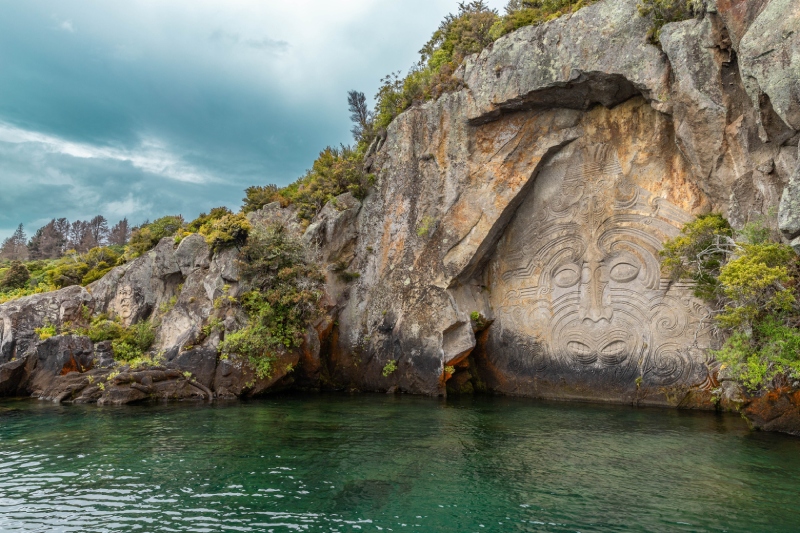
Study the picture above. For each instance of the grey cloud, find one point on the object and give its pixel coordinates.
(38, 185)
(67, 25)
(229, 103)
(263, 43)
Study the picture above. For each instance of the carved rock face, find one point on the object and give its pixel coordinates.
(576, 283)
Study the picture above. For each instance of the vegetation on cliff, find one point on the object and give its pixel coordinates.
(129, 343)
(751, 282)
(334, 172)
(286, 289)
(221, 229)
(284, 300)
(471, 29)
(338, 170)
(662, 12)
(63, 253)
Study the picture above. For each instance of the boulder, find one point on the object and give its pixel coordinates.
(776, 410)
(14, 376)
(698, 102)
(600, 54)
(789, 212)
(331, 236)
(20, 318)
(769, 58)
(272, 214)
(192, 254)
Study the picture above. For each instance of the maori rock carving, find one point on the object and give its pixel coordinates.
(125, 303)
(576, 278)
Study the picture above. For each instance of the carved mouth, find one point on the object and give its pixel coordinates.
(614, 352)
(588, 346)
(582, 352)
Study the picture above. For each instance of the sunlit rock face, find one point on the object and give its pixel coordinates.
(576, 285)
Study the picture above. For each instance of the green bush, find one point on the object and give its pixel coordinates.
(257, 197)
(16, 277)
(100, 261)
(751, 284)
(103, 329)
(229, 230)
(665, 11)
(45, 332)
(389, 368)
(68, 271)
(285, 299)
(52, 274)
(521, 13)
(334, 172)
(754, 284)
(127, 343)
(698, 253)
(772, 349)
(6, 296)
(425, 226)
(134, 341)
(205, 220)
(147, 237)
(95, 274)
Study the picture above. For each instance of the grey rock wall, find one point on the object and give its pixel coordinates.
(489, 199)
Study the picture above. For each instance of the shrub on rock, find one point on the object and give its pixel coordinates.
(147, 237)
(15, 277)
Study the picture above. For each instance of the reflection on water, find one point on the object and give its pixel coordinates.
(378, 463)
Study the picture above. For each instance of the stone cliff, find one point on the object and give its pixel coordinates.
(510, 243)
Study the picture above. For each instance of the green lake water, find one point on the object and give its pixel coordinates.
(385, 463)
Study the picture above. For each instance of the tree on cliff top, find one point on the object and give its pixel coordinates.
(49, 241)
(15, 248)
(120, 233)
(334, 172)
(361, 116)
(459, 35)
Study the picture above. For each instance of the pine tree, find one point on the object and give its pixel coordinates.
(120, 233)
(15, 247)
(49, 241)
(361, 116)
(98, 229)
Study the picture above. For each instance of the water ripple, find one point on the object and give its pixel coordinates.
(371, 463)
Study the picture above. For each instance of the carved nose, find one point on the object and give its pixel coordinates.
(593, 284)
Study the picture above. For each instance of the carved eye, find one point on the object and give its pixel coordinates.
(566, 276)
(624, 272)
(614, 348)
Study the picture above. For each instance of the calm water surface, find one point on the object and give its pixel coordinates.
(378, 463)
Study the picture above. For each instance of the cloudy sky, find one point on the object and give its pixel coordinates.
(150, 107)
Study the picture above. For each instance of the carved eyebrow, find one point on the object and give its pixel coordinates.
(539, 238)
(550, 250)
